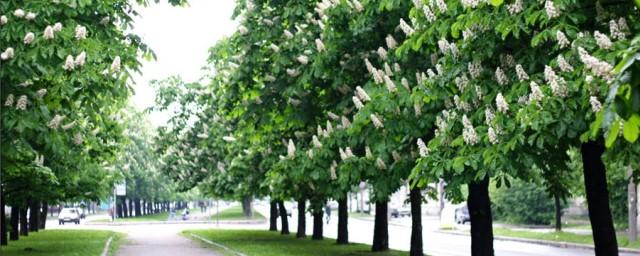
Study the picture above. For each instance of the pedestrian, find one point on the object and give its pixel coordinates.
(327, 210)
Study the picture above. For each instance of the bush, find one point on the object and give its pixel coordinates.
(522, 203)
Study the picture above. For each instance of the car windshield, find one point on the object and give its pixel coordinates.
(68, 211)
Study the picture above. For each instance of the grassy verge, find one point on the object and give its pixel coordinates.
(266, 243)
(560, 237)
(360, 215)
(63, 243)
(163, 216)
(235, 213)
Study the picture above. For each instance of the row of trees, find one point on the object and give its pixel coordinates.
(64, 72)
(307, 100)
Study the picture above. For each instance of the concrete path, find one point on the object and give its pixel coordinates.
(160, 240)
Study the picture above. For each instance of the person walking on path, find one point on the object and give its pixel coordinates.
(327, 210)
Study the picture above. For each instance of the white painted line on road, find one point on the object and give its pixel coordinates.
(217, 244)
(105, 251)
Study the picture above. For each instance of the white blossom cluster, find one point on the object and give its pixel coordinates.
(39, 161)
(229, 138)
(564, 65)
(376, 121)
(382, 53)
(468, 133)
(391, 42)
(380, 164)
(274, 47)
(69, 125)
(7, 54)
(406, 28)
(460, 104)
(515, 8)
(475, 69)
(55, 121)
(243, 30)
(3, 20)
(471, 3)
(40, 93)
(501, 103)
(391, 86)
(493, 136)
(489, 116)
(304, 60)
(78, 139)
(345, 122)
(9, 101)
(501, 78)
(556, 83)
(291, 149)
(81, 32)
(332, 171)
(319, 45)
(551, 10)
(293, 72)
(462, 82)
(357, 102)
(424, 151)
(21, 104)
(536, 94)
(333, 116)
(316, 143)
(428, 13)
(596, 106)
(563, 42)
(596, 66)
(522, 75)
(617, 29)
(367, 152)
(116, 64)
(28, 39)
(602, 40)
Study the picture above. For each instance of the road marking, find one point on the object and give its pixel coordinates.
(105, 251)
(217, 244)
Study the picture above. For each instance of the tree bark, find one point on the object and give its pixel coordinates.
(343, 222)
(34, 215)
(43, 215)
(632, 197)
(246, 207)
(125, 209)
(317, 224)
(15, 218)
(381, 228)
(556, 199)
(595, 184)
(24, 226)
(415, 196)
(3, 219)
(130, 207)
(283, 218)
(302, 220)
(137, 207)
(480, 213)
(119, 209)
(273, 216)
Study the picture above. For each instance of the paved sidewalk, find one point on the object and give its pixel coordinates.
(161, 240)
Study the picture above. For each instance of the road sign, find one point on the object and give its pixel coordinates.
(121, 189)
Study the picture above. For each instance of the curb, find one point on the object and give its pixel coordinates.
(105, 251)
(541, 242)
(216, 244)
(248, 222)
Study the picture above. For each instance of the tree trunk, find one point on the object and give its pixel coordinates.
(381, 228)
(273, 216)
(119, 209)
(130, 207)
(343, 223)
(137, 207)
(556, 199)
(43, 215)
(34, 215)
(302, 220)
(317, 224)
(633, 207)
(24, 226)
(283, 218)
(3, 219)
(481, 224)
(595, 184)
(246, 207)
(15, 218)
(125, 209)
(415, 196)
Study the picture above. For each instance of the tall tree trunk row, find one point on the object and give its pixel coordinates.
(415, 196)
(284, 229)
(481, 223)
(302, 220)
(273, 215)
(317, 224)
(343, 222)
(381, 228)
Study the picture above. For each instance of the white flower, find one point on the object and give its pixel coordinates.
(348, 153)
(243, 30)
(444, 46)
(316, 143)
(564, 65)
(274, 47)
(596, 106)
(78, 139)
(7, 54)
(598, 67)
(55, 122)
(18, 13)
(30, 16)
(319, 45)
(555, 82)
(522, 75)
(69, 125)
(105, 20)
(424, 151)
(468, 133)
(391, 42)
(9, 101)
(292, 72)
(28, 39)
(536, 94)
(116, 65)
(229, 138)
(405, 83)
(81, 32)
(57, 27)
(515, 8)
(332, 171)
(291, 149)
(357, 5)
(343, 155)
(428, 13)
(474, 69)
(387, 69)
(288, 34)
(602, 40)
(345, 122)
(417, 108)
(382, 53)
(80, 59)
(220, 166)
(41, 93)
(501, 103)
(396, 156)
(357, 102)
(304, 60)
(362, 94)
(471, 3)
(269, 78)
(367, 152)
(562, 39)
(329, 127)
(501, 77)
(408, 30)
(551, 10)
(333, 115)
(22, 103)
(48, 33)
(380, 164)
(69, 63)
(3, 20)
(488, 116)
(493, 137)
(376, 121)
(391, 86)
(417, 3)
(310, 153)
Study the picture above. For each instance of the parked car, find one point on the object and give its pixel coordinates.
(462, 215)
(69, 215)
(401, 212)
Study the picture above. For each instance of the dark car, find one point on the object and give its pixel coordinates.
(462, 215)
(401, 212)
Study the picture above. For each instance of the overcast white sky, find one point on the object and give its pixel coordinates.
(180, 37)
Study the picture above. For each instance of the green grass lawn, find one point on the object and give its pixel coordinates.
(235, 213)
(560, 237)
(360, 215)
(163, 216)
(63, 243)
(268, 243)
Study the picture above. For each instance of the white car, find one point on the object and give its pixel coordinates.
(69, 215)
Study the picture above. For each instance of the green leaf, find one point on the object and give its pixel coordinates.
(497, 3)
(632, 128)
(613, 134)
